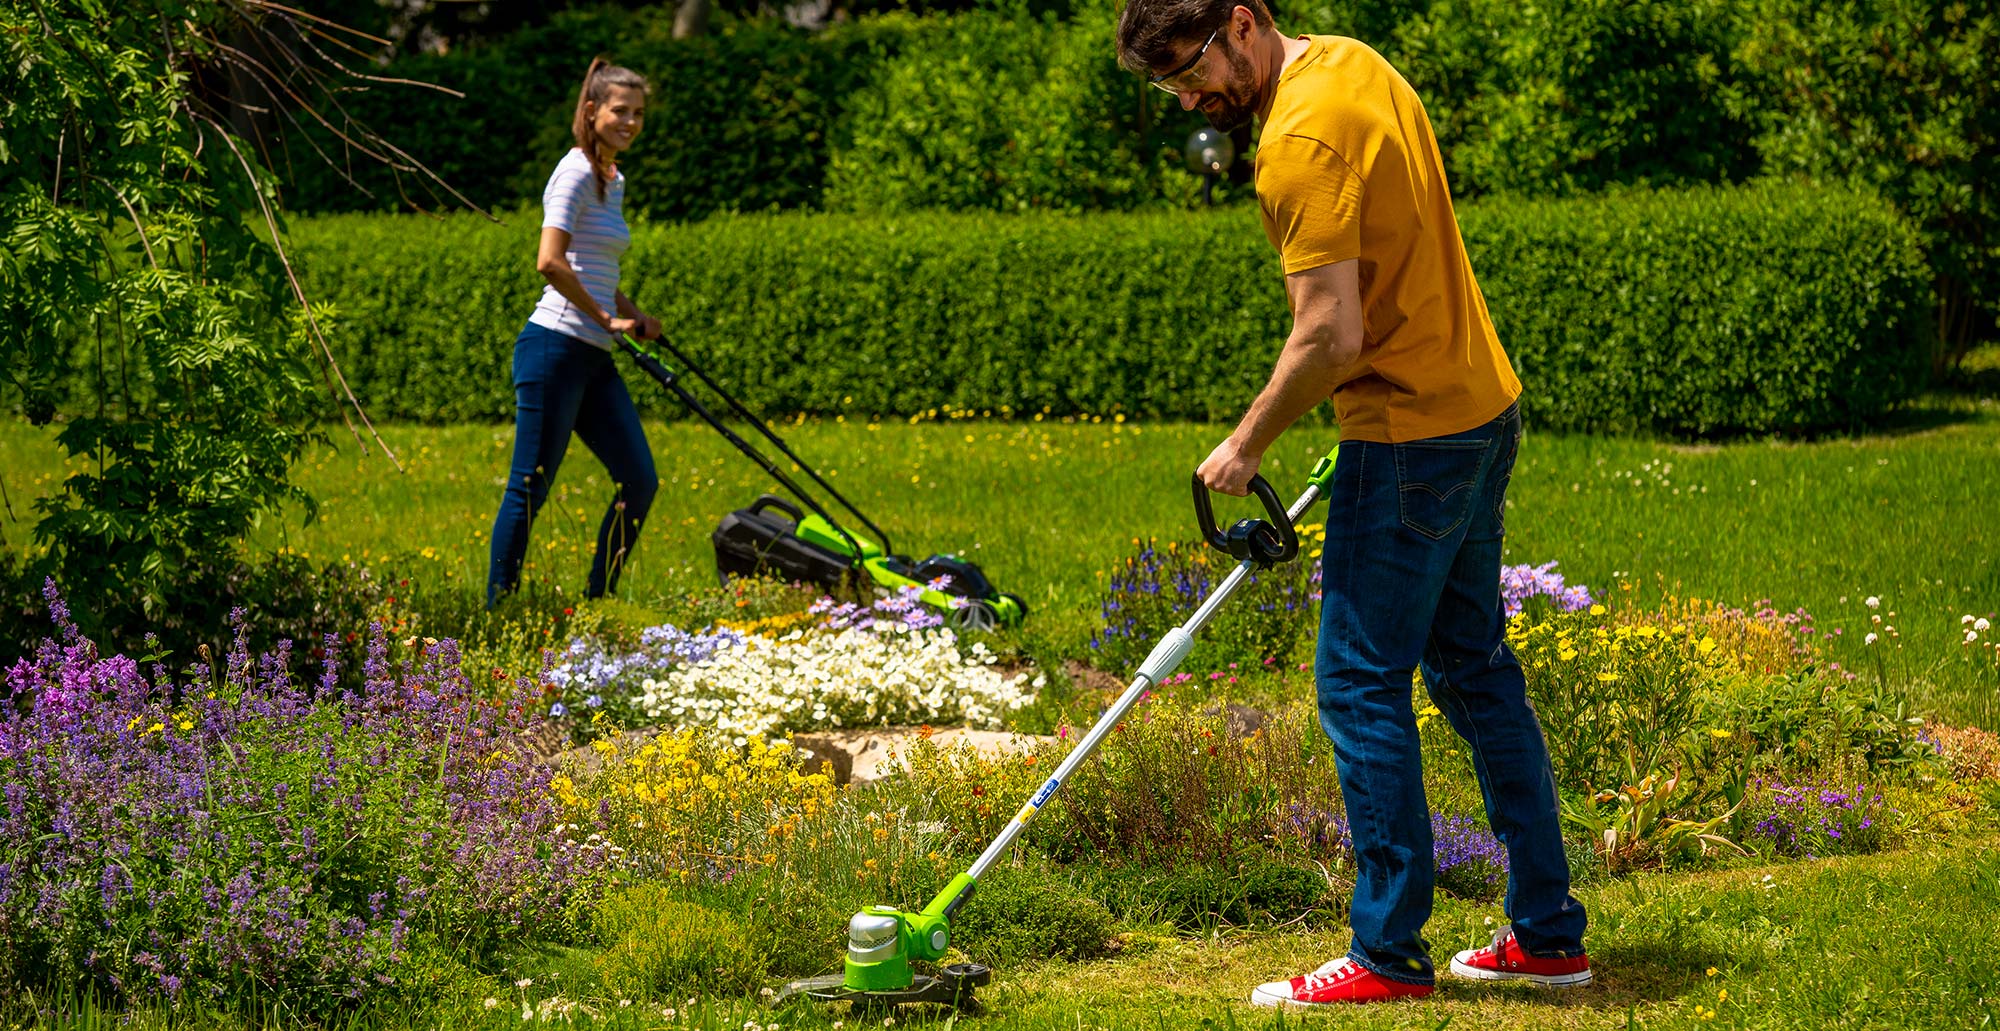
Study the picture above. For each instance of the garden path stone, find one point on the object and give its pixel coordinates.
(862, 755)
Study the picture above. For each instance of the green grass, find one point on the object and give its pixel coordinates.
(1047, 508)
(1888, 941)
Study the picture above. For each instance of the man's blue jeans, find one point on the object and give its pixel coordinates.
(1410, 576)
(564, 385)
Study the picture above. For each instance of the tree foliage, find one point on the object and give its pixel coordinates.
(138, 230)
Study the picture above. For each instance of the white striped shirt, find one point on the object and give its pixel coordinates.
(598, 236)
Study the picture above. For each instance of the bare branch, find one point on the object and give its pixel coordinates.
(330, 59)
(148, 244)
(291, 276)
(268, 5)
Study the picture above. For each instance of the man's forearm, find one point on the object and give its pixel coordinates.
(1308, 369)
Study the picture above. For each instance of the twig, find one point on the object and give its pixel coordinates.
(268, 5)
(298, 291)
(155, 262)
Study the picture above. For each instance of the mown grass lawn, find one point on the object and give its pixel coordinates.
(1903, 940)
(1046, 508)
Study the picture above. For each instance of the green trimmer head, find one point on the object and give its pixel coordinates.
(882, 941)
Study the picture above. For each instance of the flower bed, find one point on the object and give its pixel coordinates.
(243, 832)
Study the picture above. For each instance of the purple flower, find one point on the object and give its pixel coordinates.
(1519, 584)
(156, 837)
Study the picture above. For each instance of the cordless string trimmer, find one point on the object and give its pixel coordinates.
(882, 940)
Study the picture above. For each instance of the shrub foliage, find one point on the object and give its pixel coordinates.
(1689, 313)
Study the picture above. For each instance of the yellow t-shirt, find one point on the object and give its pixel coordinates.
(1347, 168)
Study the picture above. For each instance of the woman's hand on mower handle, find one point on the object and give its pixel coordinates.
(629, 327)
(649, 327)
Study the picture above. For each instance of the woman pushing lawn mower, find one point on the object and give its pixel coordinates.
(564, 376)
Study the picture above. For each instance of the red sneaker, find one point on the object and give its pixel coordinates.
(1342, 981)
(1504, 960)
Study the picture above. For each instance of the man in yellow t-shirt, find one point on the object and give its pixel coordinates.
(1388, 322)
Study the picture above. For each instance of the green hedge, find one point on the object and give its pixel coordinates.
(1698, 313)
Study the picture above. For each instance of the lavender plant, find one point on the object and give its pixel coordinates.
(1161, 586)
(249, 833)
(1470, 862)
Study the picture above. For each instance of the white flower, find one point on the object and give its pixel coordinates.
(1981, 625)
(1872, 602)
(1971, 636)
(1962, 620)
(491, 1002)
(1870, 639)
(524, 982)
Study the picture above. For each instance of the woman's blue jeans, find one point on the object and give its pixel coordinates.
(1411, 576)
(562, 384)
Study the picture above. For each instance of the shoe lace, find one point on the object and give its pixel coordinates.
(1499, 944)
(1331, 973)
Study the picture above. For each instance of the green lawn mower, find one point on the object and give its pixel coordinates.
(774, 537)
(883, 942)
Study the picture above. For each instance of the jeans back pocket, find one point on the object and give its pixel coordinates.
(1436, 481)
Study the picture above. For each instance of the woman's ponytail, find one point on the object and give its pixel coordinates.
(597, 84)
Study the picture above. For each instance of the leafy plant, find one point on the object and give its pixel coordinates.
(1031, 912)
(1634, 825)
(658, 946)
(1627, 698)
(144, 292)
(1896, 96)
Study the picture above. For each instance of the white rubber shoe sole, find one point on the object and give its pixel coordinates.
(1462, 969)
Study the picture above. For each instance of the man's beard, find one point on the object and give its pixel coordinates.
(1236, 103)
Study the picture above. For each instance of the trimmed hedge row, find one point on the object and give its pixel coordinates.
(1700, 313)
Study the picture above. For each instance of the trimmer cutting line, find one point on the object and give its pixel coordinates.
(814, 548)
(882, 941)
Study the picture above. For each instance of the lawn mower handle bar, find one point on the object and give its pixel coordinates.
(1166, 655)
(670, 380)
(737, 406)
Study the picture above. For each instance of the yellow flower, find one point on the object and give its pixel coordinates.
(1607, 677)
(1597, 610)
(1711, 971)
(1717, 732)
(1707, 645)
(1567, 654)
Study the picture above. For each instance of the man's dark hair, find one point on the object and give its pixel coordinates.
(1153, 33)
